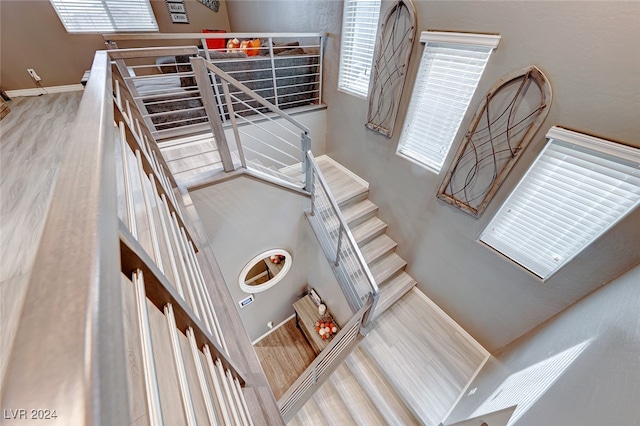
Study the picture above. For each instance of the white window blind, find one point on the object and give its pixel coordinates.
(359, 28)
(103, 16)
(447, 79)
(578, 187)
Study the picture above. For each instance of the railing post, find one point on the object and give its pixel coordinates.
(234, 124)
(311, 190)
(273, 72)
(339, 247)
(211, 108)
(321, 59)
(306, 163)
(368, 315)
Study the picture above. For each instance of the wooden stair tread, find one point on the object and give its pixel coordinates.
(332, 406)
(387, 267)
(392, 291)
(379, 391)
(362, 410)
(376, 248)
(292, 170)
(343, 186)
(368, 230)
(257, 165)
(358, 211)
(311, 414)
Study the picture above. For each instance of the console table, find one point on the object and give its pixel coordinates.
(306, 317)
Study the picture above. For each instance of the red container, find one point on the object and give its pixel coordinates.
(215, 43)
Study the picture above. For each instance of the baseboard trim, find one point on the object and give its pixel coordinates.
(38, 91)
(465, 389)
(273, 329)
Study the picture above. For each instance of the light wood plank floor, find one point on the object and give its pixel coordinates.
(284, 355)
(425, 357)
(32, 145)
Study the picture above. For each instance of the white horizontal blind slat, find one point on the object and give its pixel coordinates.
(568, 198)
(446, 81)
(359, 28)
(95, 16)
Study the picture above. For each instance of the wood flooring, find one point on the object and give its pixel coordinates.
(409, 370)
(413, 365)
(32, 145)
(284, 355)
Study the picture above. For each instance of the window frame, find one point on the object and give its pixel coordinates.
(456, 40)
(343, 84)
(58, 6)
(568, 137)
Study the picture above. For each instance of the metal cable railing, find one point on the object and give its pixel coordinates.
(325, 363)
(268, 142)
(338, 243)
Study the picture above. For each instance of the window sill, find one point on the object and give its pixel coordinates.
(422, 164)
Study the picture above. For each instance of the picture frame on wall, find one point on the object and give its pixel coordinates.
(179, 18)
(177, 11)
(176, 7)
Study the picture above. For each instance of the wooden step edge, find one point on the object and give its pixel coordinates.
(359, 212)
(352, 198)
(398, 392)
(387, 268)
(311, 414)
(362, 409)
(332, 406)
(392, 291)
(368, 230)
(377, 248)
(375, 384)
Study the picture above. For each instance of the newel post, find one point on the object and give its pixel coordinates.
(211, 108)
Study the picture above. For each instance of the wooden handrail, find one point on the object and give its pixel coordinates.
(67, 354)
(188, 36)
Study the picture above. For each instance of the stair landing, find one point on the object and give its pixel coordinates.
(344, 184)
(415, 361)
(409, 370)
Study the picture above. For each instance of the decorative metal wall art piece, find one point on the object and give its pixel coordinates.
(211, 4)
(396, 32)
(502, 127)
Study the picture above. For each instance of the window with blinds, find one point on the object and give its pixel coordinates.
(104, 16)
(578, 188)
(450, 69)
(359, 28)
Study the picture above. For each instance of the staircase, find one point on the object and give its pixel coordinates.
(409, 370)
(413, 365)
(369, 231)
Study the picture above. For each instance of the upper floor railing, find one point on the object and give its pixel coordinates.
(258, 136)
(119, 319)
(268, 142)
(283, 68)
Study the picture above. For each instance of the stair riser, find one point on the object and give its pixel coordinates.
(353, 200)
(364, 240)
(374, 257)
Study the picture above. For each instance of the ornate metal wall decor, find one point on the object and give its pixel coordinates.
(211, 4)
(502, 127)
(396, 32)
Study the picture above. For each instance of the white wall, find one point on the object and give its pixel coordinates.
(602, 383)
(244, 217)
(590, 53)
